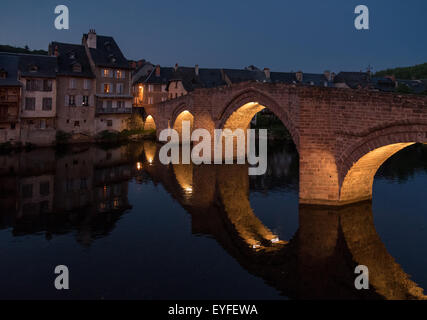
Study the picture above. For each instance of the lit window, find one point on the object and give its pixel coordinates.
(107, 88)
(105, 73)
(119, 74)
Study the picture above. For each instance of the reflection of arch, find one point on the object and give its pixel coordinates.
(360, 162)
(183, 116)
(254, 101)
(233, 187)
(149, 124)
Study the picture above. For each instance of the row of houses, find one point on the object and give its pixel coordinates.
(87, 88)
(80, 89)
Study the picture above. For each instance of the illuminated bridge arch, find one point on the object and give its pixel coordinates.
(149, 123)
(241, 109)
(361, 161)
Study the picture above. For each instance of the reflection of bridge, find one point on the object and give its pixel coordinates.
(318, 262)
(343, 136)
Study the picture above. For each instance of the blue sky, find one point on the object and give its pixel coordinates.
(284, 35)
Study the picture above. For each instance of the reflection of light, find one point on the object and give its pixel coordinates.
(139, 166)
(255, 246)
(275, 240)
(189, 189)
(150, 161)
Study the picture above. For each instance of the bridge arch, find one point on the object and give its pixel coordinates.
(149, 123)
(183, 115)
(240, 110)
(361, 161)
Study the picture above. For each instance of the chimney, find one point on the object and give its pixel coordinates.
(267, 73)
(91, 39)
(333, 76)
(176, 67)
(139, 63)
(327, 75)
(157, 71)
(299, 76)
(196, 70)
(56, 52)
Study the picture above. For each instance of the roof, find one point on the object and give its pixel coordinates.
(107, 53)
(37, 66)
(239, 75)
(70, 55)
(9, 63)
(166, 73)
(353, 79)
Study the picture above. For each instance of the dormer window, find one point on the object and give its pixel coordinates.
(3, 74)
(33, 68)
(112, 58)
(77, 67)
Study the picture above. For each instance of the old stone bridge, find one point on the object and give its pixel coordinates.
(342, 135)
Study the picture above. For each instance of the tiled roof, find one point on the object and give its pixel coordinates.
(9, 63)
(353, 79)
(37, 66)
(107, 53)
(69, 56)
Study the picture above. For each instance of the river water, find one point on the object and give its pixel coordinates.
(128, 227)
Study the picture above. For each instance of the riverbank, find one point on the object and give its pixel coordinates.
(64, 139)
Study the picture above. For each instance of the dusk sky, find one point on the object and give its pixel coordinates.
(284, 35)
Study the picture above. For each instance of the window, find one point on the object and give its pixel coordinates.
(86, 84)
(34, 85)
(83, 184)
(47, 104)
(72, 83)
(109, 104)
(77, 67)
(163, 99)
(30, 104)
(77, 123)
(47, 85)
(85, 101)
(120, 74)
(72, 101)
(109, 123)
(13, 126)
(107, 88)
(27, 191)
(150, 88)
(150, 100)
(119, 88)
(42, 124)
(106, 73)
(44, 188)
(120, 104)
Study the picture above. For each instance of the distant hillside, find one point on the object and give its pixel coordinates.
(407, 73)
(7, 48)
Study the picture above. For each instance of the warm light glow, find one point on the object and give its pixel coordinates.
(149, 123)
(139, 166)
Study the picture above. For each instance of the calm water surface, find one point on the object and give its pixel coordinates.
(129, 227)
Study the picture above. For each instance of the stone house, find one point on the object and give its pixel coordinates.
(113, 98)
(75, 91)
(10, 99)
(37, 74)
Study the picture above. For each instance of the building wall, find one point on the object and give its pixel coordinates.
(9, 115)
(176, 90)
(119, 122)
(78, 120)
(38, 95)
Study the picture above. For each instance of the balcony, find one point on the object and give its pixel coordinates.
(113, 110)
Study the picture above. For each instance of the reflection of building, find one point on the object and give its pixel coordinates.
(86, 190)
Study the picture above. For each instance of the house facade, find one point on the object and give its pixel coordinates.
(113, 98)
(10, 99)
(75, 91)
(37, 75)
